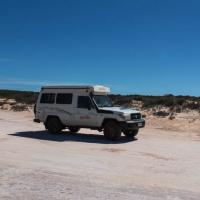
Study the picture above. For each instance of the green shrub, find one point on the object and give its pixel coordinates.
(20, 96)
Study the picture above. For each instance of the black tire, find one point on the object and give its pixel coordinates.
(112, 130)
(74, 129)
(53, 125)
(131, 133)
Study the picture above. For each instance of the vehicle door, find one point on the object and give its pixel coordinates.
(86, 114)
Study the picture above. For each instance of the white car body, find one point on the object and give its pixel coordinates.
(74, 114)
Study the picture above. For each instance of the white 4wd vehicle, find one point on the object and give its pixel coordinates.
(75, 107)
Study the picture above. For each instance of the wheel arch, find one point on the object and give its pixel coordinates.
(106, 120)
(52, 116)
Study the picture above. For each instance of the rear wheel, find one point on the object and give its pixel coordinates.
(53, 125)
(74, 129)
(131, 133)
(112, 130)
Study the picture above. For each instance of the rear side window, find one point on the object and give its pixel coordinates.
(63, 98)
(48, 98)
(83, 102)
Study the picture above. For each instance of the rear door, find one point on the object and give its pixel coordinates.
(45, 101)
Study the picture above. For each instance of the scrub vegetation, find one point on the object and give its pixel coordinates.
(185, 102)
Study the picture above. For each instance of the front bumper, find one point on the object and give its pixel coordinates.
(132, 125)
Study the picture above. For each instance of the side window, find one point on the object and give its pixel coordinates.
(84, 102)
(64, 98)
(48, 98)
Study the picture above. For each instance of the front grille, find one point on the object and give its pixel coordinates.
(136, 116)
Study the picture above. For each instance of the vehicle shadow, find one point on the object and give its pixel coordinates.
(68, 136)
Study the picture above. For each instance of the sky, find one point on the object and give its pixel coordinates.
(133, 46)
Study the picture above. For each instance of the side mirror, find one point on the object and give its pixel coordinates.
(89, 106)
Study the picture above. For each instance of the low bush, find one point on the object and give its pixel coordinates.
(20, 96)
(161, 114)
(19, 107)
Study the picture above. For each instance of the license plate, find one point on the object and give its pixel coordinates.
(140, 124)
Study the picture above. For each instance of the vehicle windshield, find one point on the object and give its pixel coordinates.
(102, 101)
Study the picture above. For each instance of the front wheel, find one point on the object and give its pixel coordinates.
(131, 133)
(112, 130)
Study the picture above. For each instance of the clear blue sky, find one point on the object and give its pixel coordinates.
(143, 46)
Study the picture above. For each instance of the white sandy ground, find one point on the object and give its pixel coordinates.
(183, 122)
(35, 165)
